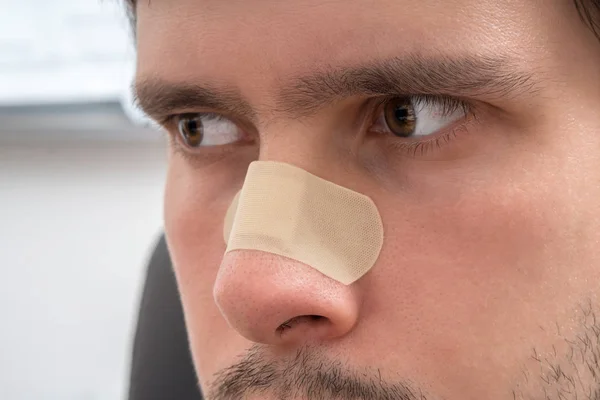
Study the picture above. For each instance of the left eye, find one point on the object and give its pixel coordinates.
(201, 130)
(415, 117)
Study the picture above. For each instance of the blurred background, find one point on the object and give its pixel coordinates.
(81, 184)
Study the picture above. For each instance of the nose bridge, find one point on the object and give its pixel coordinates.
(305, 145)
(287, 211)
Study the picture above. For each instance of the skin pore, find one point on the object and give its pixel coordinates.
(486, 286)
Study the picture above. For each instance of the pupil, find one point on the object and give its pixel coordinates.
(192, 127)
(401, 113)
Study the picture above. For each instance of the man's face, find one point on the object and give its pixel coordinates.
(472, 125)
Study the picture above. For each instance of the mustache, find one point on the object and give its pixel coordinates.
(306, 375)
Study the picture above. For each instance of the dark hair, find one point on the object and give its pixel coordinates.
(130, 7)
(589, 11)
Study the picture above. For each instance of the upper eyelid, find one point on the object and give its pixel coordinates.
(192, 113)
(450, 104)
(169, 120)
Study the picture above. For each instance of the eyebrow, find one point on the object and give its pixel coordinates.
(301, 96)
(159, 98)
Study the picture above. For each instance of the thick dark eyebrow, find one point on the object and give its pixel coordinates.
(160, 99)
(297, 97)
(469, 76)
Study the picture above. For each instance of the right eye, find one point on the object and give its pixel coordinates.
(207, 129)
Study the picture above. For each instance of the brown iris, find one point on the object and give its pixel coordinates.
(191, 130)
(400, 116)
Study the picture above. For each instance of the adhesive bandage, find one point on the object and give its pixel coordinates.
(284, 210)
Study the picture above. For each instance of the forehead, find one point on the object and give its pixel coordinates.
(257, 47)
(274, 35)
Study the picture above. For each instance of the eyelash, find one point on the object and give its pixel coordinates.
(413, 148)
(448, 105)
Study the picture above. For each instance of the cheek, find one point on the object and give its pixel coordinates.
(505, 225)
(464, 280)
(196, 201)
(446, 264)
(195, 205)
(474, 265)
(460, 231)
(194, 211)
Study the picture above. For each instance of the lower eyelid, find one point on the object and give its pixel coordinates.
(423, 147)
(202, 156)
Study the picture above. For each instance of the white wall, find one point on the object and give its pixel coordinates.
(77, 222)
(79, 209)
(64, 50)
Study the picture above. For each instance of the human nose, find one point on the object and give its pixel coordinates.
(289, 294)
(275, 300)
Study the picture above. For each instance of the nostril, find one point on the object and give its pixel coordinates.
(300, 306)
(311, 320)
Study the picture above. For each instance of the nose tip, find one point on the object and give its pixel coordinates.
(275, 300)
